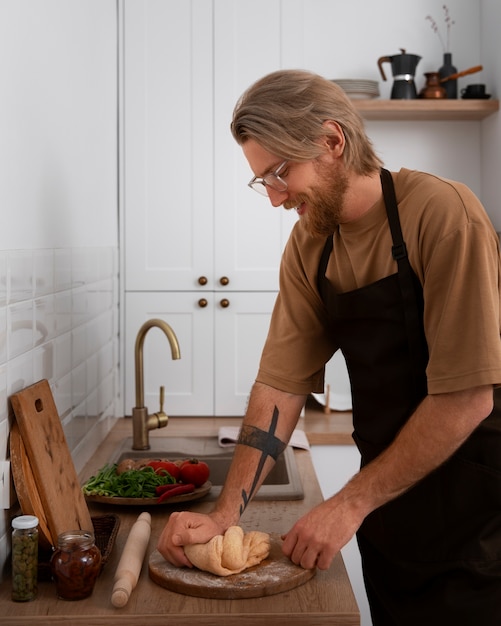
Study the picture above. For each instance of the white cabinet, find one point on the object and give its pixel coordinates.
(188, 210)
(249, 234)
(168, 144)
(220, 346)
(192, 228)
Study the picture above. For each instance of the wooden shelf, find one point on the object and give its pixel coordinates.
(426, 110)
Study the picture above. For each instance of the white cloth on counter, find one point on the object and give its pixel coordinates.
(228, 436)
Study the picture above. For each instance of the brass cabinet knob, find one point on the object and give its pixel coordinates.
(224, 280)
(225, 303)
(202, 303)
(202, 280)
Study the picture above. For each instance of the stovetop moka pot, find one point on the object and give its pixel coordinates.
(403, 67)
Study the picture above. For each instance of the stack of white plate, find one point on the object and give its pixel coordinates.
(358, 89)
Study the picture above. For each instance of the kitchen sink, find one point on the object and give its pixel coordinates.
(282, 483)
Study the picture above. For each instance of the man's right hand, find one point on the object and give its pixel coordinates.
(185, 528)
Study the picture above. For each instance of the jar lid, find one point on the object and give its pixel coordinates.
(70, 538)
(25, 521)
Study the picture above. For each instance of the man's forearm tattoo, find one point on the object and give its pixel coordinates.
(268, 443)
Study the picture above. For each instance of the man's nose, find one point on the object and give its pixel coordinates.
(277, 198)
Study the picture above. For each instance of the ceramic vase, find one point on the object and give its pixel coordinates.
(450, 86)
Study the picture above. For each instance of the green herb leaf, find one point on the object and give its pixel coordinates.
(131, 484)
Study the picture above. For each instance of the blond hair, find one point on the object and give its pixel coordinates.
(284, 112)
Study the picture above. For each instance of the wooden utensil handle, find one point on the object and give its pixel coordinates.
(471, 70)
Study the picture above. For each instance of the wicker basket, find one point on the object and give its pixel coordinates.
(105, 532)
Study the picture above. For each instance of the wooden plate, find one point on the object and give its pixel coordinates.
(199, 492)
(275, 574)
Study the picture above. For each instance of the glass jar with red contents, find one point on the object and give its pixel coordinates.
(75, 564)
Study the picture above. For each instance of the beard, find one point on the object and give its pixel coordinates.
(325, 201)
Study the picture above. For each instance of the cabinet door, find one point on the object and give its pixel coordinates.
(250, 234)
(220, 337)
(241, 327)
(188, 210)
(168, 146)
(188, 382)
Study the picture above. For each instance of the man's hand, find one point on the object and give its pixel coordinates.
(271, 418)
(184, 528)
(440, 424)
(318, 536)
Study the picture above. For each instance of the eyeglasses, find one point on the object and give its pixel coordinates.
(272, 180)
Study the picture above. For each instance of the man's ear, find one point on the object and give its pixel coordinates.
(334, 139)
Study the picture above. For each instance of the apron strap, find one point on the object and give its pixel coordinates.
(413, 307)
(322, 268)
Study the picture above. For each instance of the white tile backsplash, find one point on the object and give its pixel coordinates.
(59, 321)
(3, 406)
(78, 345)
(62, 348)
(19, 328)
(19, 275)
(43, 362)
(19, 372)
(62, 312)
(3, 334)
(62, 269)
(3, 279)
(43, 272)
(45, 319)
(61, 390)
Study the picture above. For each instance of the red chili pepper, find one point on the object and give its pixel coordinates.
(160, 489)
(177, 491)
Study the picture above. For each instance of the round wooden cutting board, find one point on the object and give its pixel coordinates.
(26, 489)
(273, 575)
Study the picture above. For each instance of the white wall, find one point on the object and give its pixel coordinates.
(58, 154)
(58, 203)
(345, 40)
(491, 127)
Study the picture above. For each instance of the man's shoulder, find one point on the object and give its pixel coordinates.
(429, 185)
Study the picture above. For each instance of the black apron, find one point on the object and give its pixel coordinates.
(433, 555)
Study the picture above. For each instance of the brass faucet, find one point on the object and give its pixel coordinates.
(142, 423)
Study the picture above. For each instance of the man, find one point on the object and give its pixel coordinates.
(402, 273)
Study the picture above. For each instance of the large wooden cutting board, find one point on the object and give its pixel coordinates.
(54, 481)
(273, 575)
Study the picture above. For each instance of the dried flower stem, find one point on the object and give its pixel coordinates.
(449, 22)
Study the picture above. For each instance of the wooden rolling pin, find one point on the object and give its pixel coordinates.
(131, 561)
(471, 70)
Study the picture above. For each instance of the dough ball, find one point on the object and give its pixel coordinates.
(230, 553)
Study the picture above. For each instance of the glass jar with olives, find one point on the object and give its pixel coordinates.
(75, 564)
(24, 558)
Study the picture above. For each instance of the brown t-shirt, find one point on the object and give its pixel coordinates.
(454, 251)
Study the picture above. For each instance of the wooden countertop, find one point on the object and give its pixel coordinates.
(326, 427)
(326, 599)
